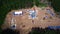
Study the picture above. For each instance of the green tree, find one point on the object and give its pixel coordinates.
(37, 30)
(55, 4)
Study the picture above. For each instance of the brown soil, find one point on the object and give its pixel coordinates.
(25, 24)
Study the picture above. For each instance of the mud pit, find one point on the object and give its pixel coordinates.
(25, 23)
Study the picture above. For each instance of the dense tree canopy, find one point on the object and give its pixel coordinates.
(9, 31)
(37, 30)
(56, 4)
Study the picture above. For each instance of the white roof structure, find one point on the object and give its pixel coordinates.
(17, 12)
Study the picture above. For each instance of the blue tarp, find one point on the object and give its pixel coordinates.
(33, 14)
(54, 27)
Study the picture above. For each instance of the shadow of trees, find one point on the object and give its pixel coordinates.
(37, 30)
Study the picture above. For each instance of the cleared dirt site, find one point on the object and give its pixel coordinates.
(25, 19)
